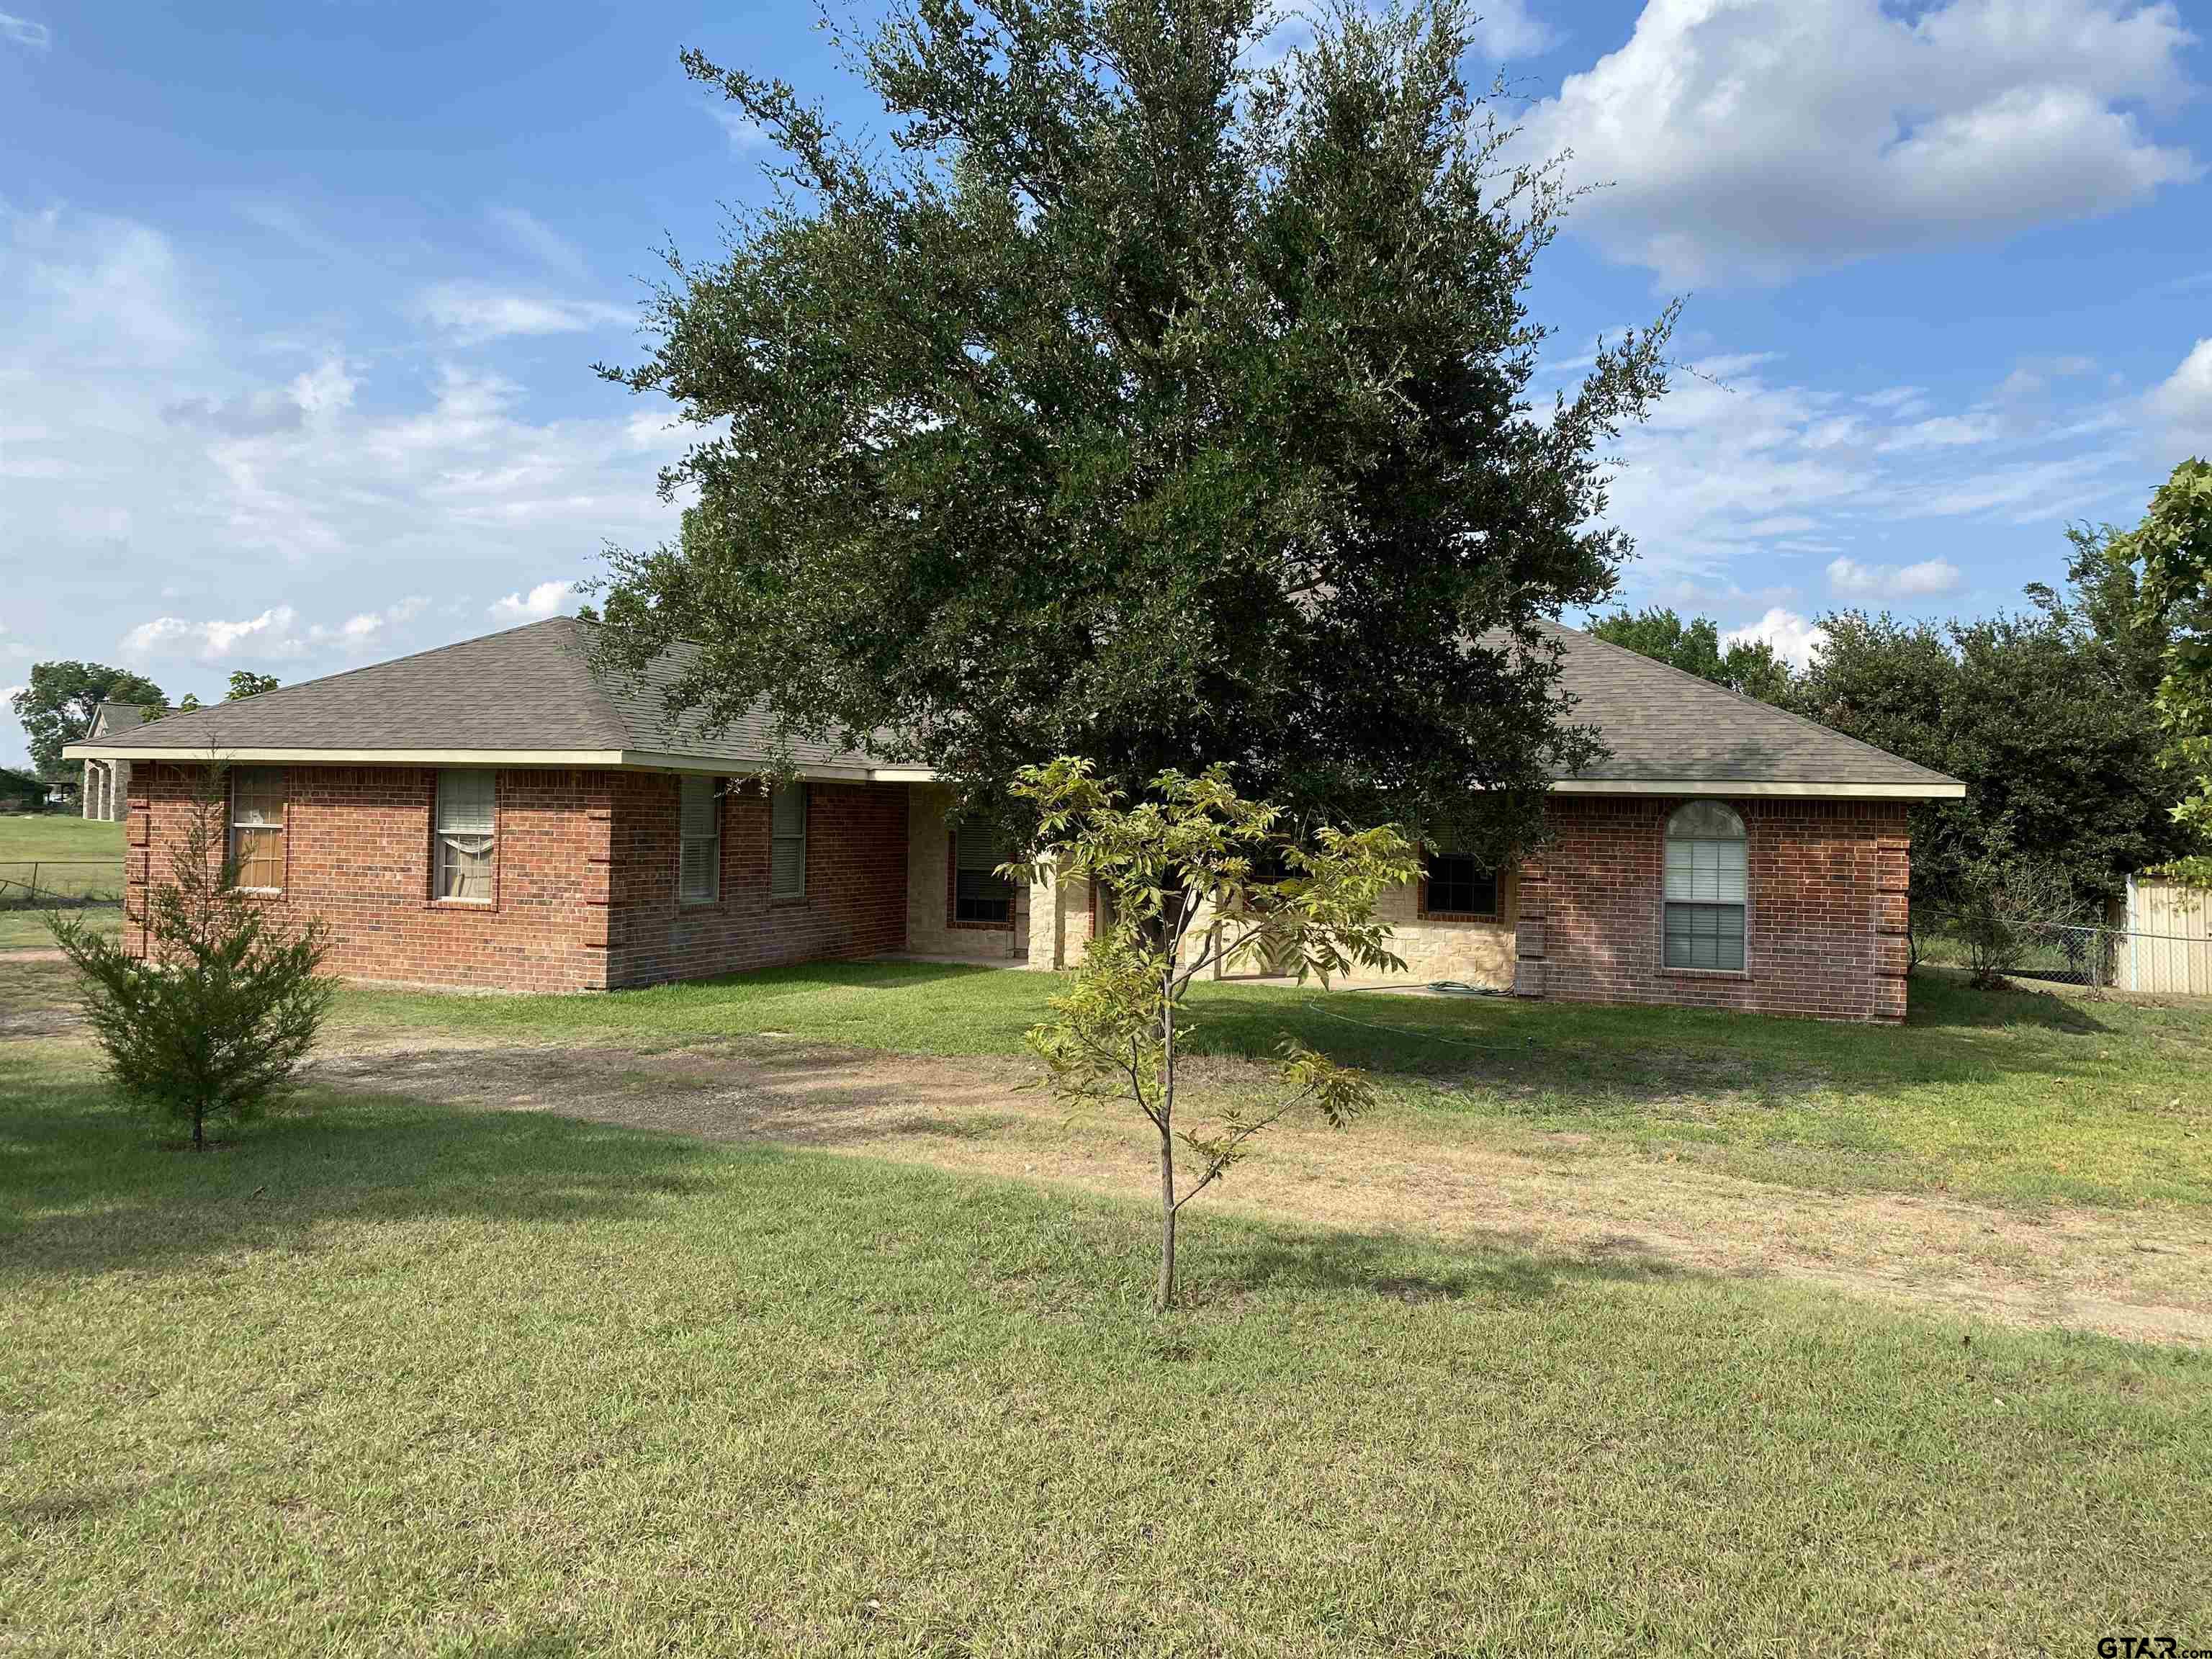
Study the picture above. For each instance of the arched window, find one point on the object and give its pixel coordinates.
(1705, 888)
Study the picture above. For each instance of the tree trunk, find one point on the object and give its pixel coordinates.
(1164, 1298)
(199, 1124)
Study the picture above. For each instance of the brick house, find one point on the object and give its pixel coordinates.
(494, 814)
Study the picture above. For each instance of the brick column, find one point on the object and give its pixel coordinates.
(1533, 901)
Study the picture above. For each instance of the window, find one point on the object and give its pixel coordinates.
(1705, 888)
(980, 894)
(699, 864)
(786, 847)
(1458, 886)
(256, 828)
(465, 836)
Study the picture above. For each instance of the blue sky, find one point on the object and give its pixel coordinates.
(297, 307)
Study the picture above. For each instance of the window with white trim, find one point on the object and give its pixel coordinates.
(980, 893)
(786, 845)
(466, 835)
(256, 828)
(1706, 887)
(699, 864)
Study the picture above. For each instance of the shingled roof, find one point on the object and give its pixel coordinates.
(1665, 728)
(529, 697)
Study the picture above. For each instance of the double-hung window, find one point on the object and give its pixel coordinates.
(699, 865)
(467, 832)
(980, 894)
(1706, 887)
(786, 844)
(256, 828)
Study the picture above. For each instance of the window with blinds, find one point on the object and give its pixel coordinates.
(465, 837)
(256, 828)
(979, 892)
(699, 825)
(1705, 889)
(787, 843)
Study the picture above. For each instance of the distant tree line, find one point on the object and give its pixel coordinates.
(2071, 721)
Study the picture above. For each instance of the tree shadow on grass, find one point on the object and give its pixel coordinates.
(1954, 1035)
(86, 1188)
(1502, 1272)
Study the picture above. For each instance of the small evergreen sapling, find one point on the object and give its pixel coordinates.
(1197, 876)
(214, 1021)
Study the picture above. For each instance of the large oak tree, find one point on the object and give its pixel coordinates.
(1137, 403)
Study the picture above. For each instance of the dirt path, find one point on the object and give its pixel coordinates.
(2146, 1277)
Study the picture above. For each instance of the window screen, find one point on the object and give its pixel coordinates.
(1705, 889)
(979, 892)
(465, 836)
(256, 828)
(786, 852)
(1459, 886)
(699, 864)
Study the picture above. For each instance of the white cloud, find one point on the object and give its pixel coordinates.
(152, 444)
(473, 312)
(22, 32)
(1943, 431)
(539, 240)
(1890, 581)
(744, 134)
(1794, 638)
(1749, 139)
(370, 628)
(1506, 30)
(546, 599)
(2182, 404)
(273, 635)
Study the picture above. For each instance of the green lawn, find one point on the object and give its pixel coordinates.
(57, 835)
(2023, 1098)
(74, 856)
(67, 856)
(397, 1378)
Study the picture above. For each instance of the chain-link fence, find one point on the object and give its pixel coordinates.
(2067, 953)
(59, 884)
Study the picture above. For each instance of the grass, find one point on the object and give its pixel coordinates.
(74, 857)
(2023, 1098)
(397, 1378)
(25, 929)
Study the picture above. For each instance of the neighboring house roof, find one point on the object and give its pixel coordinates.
(110, 718)
(529, 697)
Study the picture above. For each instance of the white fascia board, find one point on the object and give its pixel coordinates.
(229, 755)
(1709, 786)
(632, 760)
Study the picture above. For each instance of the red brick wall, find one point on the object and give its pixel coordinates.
(357, 854)
(1823, 926)
(856, 902)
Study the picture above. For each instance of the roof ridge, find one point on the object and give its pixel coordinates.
(1752, 701)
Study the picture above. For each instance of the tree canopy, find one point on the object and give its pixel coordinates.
(2047, 719)
(2172, 549)
(58, 704)
(1141, 404)
(244, 683)
(1749, 666)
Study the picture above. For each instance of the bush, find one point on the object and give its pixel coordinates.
(216, 1019)
(2010, 907)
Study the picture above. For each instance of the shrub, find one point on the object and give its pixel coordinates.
(214, 1022)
